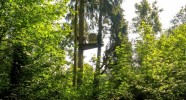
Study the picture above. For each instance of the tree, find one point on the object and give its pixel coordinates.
(160, 63)
(99, 43)
(30, 40)
(75, 44)
(180, 17)
(81, 38)
(118, 32)
(118, 42)
(149, 14)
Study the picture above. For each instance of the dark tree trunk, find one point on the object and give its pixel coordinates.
(19, 59)
(99, 41)
(75, 46)
(80, 49)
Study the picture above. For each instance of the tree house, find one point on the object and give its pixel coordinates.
(92, 42)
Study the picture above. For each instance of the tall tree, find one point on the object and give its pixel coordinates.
(99, 43)
(81, 42)
(149, 14)
(75, 44)
(29, 30)
(118, 31)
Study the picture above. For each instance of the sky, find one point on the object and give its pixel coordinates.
(170, 8)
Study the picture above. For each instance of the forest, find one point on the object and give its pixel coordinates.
(42, 45)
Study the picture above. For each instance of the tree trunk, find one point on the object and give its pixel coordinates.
(80, 49)
(75, 46)
(97, 72)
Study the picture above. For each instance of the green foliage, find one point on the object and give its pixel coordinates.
(32, 54)
(149, 14)
(161, 72)
(34, 25)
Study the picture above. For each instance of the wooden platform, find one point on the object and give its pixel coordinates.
(90, 46)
